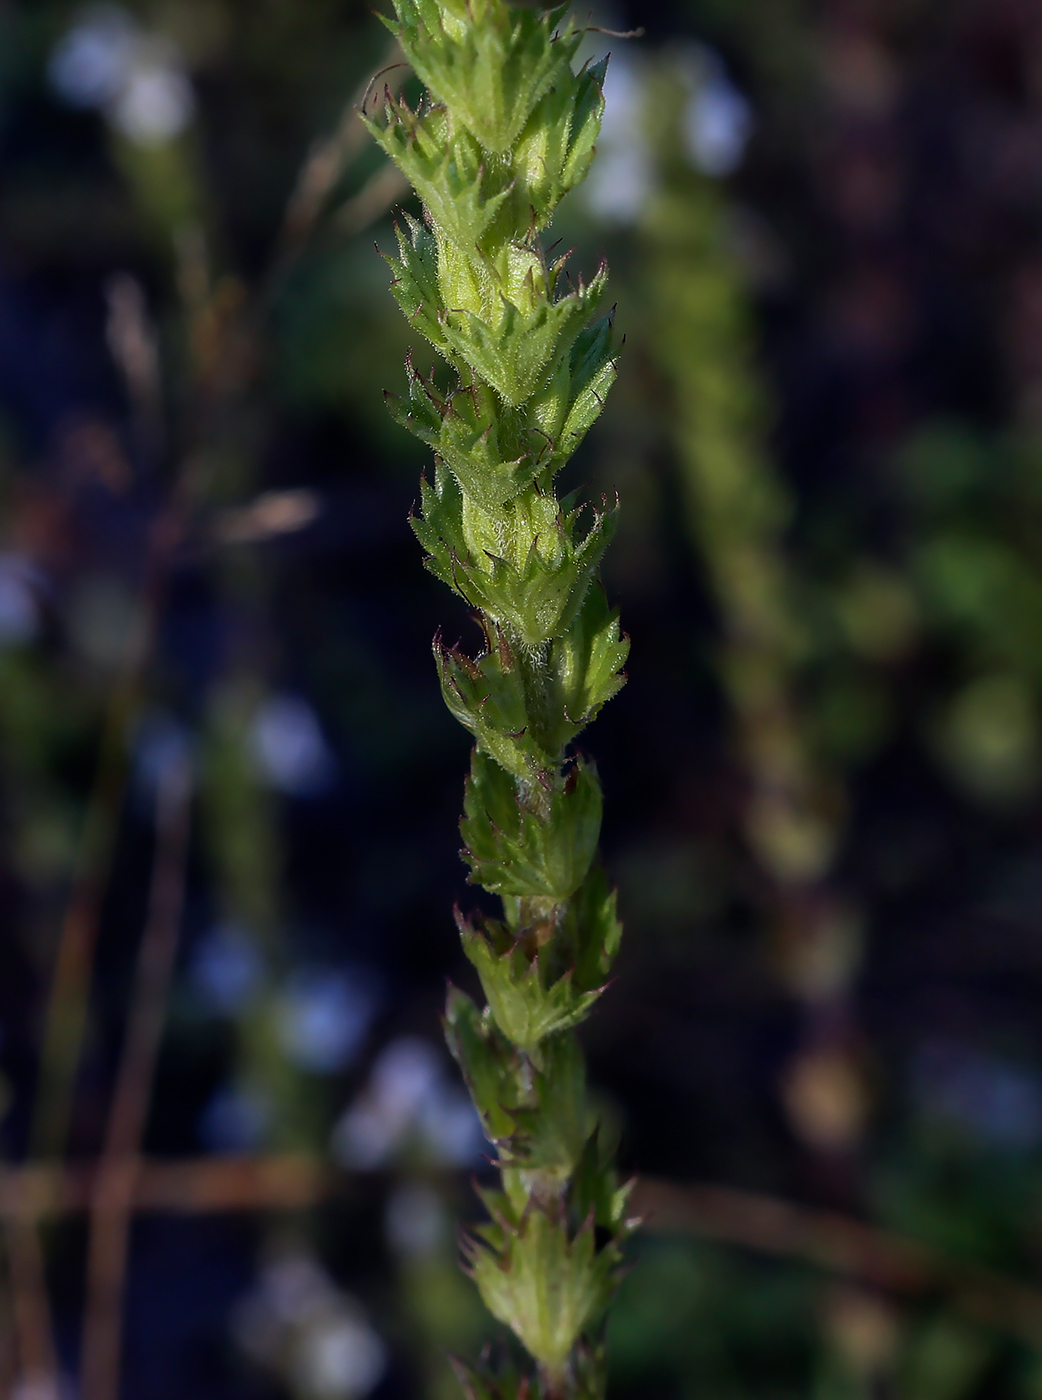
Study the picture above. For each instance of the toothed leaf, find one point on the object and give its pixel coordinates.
(544, 1282)
(514, 849)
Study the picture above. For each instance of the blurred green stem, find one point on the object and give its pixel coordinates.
(701, 338)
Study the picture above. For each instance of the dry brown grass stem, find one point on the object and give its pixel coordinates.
(193, 1186)
(830, 1241)
(325, 166)
(113, 1200)
(66, 1013)
(844, 1245)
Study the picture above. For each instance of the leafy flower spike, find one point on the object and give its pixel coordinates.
(507, 128)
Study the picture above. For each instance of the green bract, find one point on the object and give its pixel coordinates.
(507, 128)
(546, 1281)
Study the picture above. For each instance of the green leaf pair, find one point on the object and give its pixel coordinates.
(489, 695)
(541, 974)
(539, 1118)
(473, 435)
(517, 352)
(535, 598)
(534, 846)
(539, 1277)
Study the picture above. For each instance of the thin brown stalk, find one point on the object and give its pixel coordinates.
(133, 346)
(69, 997)
(8, 1340)
(114, 1195)
(36, 1363)
(70, 988)
(192, 1186)
(827, 1240)
(326, 163)
(843, 1245)
(373, 200)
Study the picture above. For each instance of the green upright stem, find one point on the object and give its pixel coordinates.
(507, 128)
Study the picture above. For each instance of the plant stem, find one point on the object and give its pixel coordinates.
(506, 129)
(37, 1355)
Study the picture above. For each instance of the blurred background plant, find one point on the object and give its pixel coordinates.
(236, 1154)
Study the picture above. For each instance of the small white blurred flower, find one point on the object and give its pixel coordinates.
(717, 124)
(620, 180)
(719, 119)
(365, 1137)
(406, 1073)
(408, 1102)
(156, 102)
(450, 1127)
(296, 1322)
(338, 1356)
(137, 79)
(291, 1289)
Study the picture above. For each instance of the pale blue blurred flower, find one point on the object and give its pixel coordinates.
(290, 749)
(995, 1099)
(227, 968)
(20, 582)
(719, 120)
(323, 1017)
(90, 63)
(235, 1120)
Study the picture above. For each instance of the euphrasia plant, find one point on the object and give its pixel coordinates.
(506, 130)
